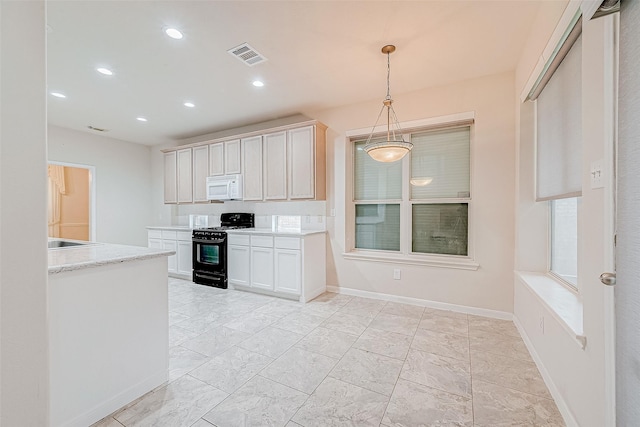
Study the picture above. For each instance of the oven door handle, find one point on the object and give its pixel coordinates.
(214, 241)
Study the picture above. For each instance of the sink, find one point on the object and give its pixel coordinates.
(63, 244)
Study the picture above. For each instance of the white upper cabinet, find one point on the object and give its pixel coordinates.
(307, 164)
(170, 177)
(232, 157)
(288, 163)
(200, 173)
(252, 166)
(216, 159)
(275, 166)
(185, 177)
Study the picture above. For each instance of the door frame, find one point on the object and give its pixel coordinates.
(92, 192)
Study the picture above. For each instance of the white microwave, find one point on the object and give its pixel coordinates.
(224, 187)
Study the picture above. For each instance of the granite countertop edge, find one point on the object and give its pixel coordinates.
(99, 254)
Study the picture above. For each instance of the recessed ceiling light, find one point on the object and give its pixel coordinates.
(189, 104)
(258, 83)
(141, 119)
(173, 33)
(58, 95)
(105, 71)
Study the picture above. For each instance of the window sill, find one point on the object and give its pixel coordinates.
(563, 304)
(442, 262)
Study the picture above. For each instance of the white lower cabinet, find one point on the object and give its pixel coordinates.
(179, 241)
(290, 267)
(238, 261)
(287, 264)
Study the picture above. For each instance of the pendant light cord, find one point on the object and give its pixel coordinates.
(388, 75)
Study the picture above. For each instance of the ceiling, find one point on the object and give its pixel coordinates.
(321, 54)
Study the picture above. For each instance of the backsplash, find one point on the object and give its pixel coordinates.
(277, 216)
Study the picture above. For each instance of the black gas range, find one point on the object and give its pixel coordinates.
(210, 249)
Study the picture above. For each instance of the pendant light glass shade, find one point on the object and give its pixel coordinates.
(394, 147)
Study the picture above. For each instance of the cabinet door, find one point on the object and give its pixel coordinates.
(288, 278)
(302, 163)
(252, 166)
(275, 166)
(185, 255)
(185, 176)
(170, 177)
(232, 157)
(238, 260)
(262, 268)
(200, 173)
(216, 159)
(170, 245)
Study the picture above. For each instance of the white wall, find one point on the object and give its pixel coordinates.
(24, 349)
(122, 178)
(493, 187)
(577, 376)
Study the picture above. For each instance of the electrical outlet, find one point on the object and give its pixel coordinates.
(332, 212)
(396, 274)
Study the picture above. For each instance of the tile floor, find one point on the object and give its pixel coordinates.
(242, 359)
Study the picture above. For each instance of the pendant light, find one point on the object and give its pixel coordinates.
(394, 147)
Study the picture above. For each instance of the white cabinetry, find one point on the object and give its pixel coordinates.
(238, 260)
(275, 166)
(179, 241)
(185, 177)
(200, 173)
(287, 266)
(306, 163)
(252, 166)
(170, 177)
(262, 262)
(216, 159)
(232, 157)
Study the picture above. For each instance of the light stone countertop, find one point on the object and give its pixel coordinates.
(172, 227)
(270, 232)
(98, 254)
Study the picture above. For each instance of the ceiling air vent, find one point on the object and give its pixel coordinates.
(97, 129)
(247, 54)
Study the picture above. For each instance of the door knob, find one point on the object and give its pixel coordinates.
(608, 279)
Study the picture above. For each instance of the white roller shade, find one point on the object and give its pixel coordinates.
(559, 131)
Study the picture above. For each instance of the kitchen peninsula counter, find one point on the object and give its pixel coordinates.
(108, 329)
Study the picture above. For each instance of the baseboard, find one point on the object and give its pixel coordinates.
(108, 407)
(485, 312)
(569, 420)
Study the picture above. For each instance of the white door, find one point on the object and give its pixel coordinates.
(627, 289)
(287, 262)
(170, 177)
(170, 245)
(200, 173)
(252, 166)
(184, 252)
(302, 163)
(275, 166)
(185, 178)
(262, 268)
(238, 261)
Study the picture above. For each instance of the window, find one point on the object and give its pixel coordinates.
(559, 156)
(419, 205)
(564, 239)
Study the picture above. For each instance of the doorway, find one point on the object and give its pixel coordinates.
(70, 207)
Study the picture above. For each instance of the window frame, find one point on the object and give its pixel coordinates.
(406, 255)
(575, 288)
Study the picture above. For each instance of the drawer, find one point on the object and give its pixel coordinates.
(262, 241)
(238, 239)
(288, 243)
(154, 234)
(184, 235)
(170, 234)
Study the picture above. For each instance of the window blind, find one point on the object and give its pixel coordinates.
(375, 180)
(440, 164)
(559, 130)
